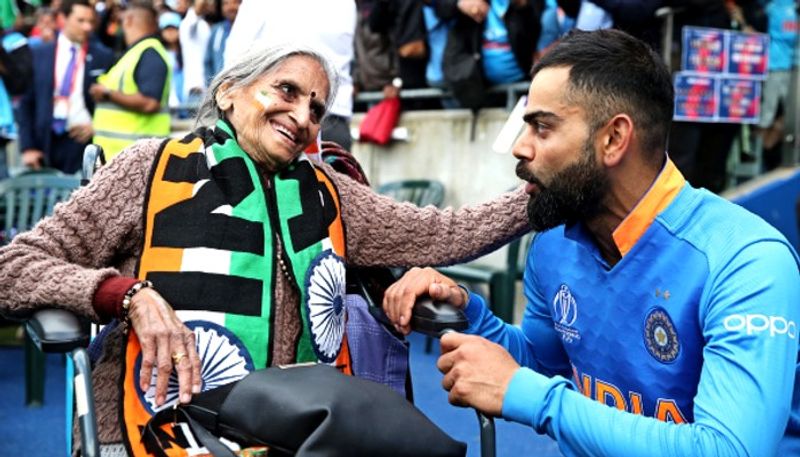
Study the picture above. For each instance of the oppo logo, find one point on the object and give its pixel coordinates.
(757, 323)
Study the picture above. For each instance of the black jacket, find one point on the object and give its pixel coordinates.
(523, 25)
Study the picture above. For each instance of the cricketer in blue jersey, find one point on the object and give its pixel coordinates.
(661, 320)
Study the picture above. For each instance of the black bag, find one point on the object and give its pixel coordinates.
(462, 66)
(310, 411)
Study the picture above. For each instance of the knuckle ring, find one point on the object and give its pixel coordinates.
(177, 357)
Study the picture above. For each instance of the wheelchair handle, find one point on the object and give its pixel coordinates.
(436, 319)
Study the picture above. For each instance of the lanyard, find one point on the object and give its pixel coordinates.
(79, 59)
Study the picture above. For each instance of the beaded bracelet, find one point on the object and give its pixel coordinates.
(126, 301)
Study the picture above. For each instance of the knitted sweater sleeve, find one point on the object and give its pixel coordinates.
(62, 260)
(382, 232)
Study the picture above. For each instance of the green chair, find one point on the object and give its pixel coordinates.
(421, 192)
(27, 198)
(24, 200)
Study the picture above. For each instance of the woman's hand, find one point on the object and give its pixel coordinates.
(399, 299)
(165, 342)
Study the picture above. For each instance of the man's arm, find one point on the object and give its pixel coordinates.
(151, 75)
(744, 395)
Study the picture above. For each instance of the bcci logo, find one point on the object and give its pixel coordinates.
(565, 313)
(660, 336)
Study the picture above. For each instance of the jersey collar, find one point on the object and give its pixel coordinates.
(662, 192)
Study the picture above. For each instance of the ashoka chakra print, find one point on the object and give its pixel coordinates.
(325, 286)
(223, 357)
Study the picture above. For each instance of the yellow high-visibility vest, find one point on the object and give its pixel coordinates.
(116, 127)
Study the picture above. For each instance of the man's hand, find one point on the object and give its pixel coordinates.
(81, 133)
(165, 342)
(98, 92)
(400, 297)
(475, 9)
(476, 372)
(33, 158)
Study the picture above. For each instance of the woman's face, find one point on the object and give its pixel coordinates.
(278, 115)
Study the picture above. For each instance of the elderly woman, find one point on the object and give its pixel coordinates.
(225, 251)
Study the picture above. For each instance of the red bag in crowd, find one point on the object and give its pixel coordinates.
(377, 125)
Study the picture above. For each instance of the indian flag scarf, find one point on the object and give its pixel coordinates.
(212, 224)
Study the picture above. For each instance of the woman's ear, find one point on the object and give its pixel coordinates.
(224, 97)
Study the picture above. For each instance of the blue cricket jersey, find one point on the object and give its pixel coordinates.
(687, 346)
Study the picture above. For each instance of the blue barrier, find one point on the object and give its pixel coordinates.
(776, 198)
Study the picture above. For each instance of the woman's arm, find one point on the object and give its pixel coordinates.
(61, 261)
(383, 232)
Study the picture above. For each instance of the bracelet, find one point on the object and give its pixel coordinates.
(126, 301)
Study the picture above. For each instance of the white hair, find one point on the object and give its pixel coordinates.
(252, 65)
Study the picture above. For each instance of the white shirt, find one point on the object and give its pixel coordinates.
(78, 114)
(326, 25)
(194, 33)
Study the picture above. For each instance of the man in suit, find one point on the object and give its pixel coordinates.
(55, 114)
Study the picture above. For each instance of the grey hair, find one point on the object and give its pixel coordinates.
(252, 65)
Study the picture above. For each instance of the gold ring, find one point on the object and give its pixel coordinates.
(177, 357)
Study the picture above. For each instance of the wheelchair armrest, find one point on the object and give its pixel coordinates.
(57, 330)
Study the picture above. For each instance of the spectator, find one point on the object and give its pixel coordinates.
(330, 29)
(556, 22)
(215, 52)
(700, 150)
(503, 32)
(782, 24)
(44, 30)
(15, 75)
(194, 34)
(168, 23)
(403, 22)
(109, 30)
(134, 93)
(674, 312)
(437, 30)
(55, 114)
(375, 62)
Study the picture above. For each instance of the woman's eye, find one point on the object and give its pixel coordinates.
(287, 89)
(318, 112)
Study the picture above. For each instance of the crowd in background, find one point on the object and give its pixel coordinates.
(462, 46)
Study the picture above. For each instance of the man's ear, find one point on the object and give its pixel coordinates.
(224, 96)
(616, 139)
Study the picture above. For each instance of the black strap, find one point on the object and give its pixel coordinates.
(208, 440)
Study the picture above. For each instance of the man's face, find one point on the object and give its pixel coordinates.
(230, 8)
(79, 24)
(557, 156)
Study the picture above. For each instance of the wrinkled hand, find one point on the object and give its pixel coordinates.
(164, 338)
(475, 9)
(476, 372)
(33, 158)
(81, 133)
(400, 297)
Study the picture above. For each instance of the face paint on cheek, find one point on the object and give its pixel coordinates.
(263, 99)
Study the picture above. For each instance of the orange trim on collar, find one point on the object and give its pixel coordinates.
(664, 189)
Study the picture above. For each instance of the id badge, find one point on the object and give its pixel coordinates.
(60, 107)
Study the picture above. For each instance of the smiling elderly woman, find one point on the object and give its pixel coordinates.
(225, 251)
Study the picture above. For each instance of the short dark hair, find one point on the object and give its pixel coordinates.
(66, 6)
(612, 72)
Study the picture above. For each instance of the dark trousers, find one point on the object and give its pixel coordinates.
(65, 153)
